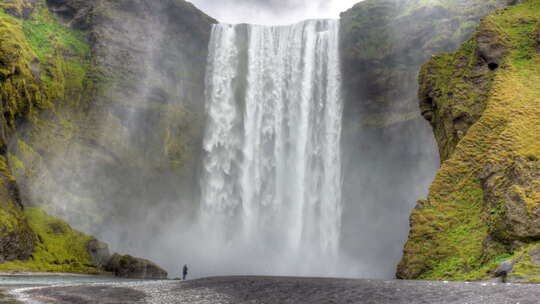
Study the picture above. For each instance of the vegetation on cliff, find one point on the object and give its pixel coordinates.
(483, 102)
(58, 247)
(384, 43)
(43, 67)
(93, 115)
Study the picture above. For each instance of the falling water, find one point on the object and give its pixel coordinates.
(271, 182)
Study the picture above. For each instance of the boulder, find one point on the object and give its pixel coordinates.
(504, 269)
(99, 252)
(126, 266)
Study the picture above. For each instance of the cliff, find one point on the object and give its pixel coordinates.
(69, 71)
(138, 141)
(384, 43)
(388, 147)
(483, 104)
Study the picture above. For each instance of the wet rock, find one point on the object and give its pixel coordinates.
(504, 269)
(99, 252)
(126, 266)
(384, 43)
(534, 253)
(158, 95)
(17, 245)
(76, 13)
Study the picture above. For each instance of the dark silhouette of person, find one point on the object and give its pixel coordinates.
(184, 272)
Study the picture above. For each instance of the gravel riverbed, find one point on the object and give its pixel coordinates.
(276, 290)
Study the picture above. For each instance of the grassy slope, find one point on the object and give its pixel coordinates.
(45, 68)
(456, 232)
(58, 248)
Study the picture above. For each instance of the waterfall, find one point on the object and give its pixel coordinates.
(271, 180)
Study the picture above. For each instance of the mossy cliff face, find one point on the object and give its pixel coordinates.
(134, 142)
(43, 68)
(483, 103)
(16, 237)
(73, 75)
(58, 248)
(386, 141)
(384, 43)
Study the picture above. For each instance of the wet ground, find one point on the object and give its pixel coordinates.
(274, 290)
(13, 285)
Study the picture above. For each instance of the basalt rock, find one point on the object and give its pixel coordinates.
(126, 266)
(99, 252)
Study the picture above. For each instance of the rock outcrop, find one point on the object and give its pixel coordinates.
(384, 43)
(483, 207)
(126, 266)
(99, 252)
(386, 140)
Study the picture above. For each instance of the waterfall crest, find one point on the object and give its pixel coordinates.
(271, 181)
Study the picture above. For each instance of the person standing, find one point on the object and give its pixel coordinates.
(184, 272)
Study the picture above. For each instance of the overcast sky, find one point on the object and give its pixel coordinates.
(272, 11)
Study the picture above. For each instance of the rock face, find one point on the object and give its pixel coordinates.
(384, 43)
(70, 72)
(138, 138)
(386, 140)
(451, 120)
(16, 238)
(134, 268)
(483, 104)
(99, 252)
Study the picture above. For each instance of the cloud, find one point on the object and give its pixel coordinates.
(272, 12)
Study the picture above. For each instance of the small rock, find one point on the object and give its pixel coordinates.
(504, 269)
(126, 266)
(99, 252)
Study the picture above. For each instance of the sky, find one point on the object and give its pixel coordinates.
(272, 12)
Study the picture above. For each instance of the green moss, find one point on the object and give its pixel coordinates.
(46, 81)
(59, 248)
(45, 66)
(459, 250)
(462, 231)
(46, 35)
(49, 79)
(8, 222)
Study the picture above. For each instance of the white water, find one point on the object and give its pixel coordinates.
(271, 182)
